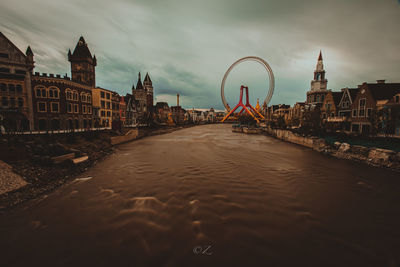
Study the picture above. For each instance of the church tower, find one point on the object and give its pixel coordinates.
(83, 64)
(319, 82)
(148, 86)
(318, 90)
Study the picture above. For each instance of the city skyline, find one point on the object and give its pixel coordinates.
(176, 43)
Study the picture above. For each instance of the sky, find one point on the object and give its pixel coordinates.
(187, 45)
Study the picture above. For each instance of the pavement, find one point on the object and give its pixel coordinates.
(9, 181)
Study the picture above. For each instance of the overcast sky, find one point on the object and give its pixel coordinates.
(187, 45)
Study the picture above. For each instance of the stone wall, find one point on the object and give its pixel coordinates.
(131, 135)
(372, 156)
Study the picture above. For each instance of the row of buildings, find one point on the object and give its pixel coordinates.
(39, 101)
(370, 108)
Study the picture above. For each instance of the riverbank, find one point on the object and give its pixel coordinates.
(43, 163)
(372, 156)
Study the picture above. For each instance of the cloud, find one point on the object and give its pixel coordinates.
(186, 46)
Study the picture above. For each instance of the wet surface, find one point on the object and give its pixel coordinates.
(205, 196)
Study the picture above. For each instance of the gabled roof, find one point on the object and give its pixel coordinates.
(81, 49)
(381, 91)
(12, 44)
(353, 93)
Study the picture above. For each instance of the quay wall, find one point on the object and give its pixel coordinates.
(372, 156)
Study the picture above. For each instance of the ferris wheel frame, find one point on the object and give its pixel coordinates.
(264, 64)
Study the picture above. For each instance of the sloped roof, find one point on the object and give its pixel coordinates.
(81, 49)
(12, 44)
(139, 85)
(382, 91)
(337, 96)
(147, 78)
(353, 93)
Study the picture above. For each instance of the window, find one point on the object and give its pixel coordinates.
(322, 98)
(75, 95)
(38, 94)
(317, 98)
(397, 99)
(103, 104)
(76, 108)
(20, 72)
(103, 113)
(332, 114)
(354, 112)
(102, 94)
(108, 95)
(69, 108)
(362, 102)
(89, 110)
(4, 101)
(68, 94)
(19, 88)
(41, 106)
(361, 113)
(3, 55)
(44, 92)
(3, 87)
(53, 92)
(369, 112)
(12, 101)
(11, 88)
(83, 97)
(89, 98)
(84, 109)
(108, 105)
(20, 102)
(55, 107)
(6, 70)
(108, 114)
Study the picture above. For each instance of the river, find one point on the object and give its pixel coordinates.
(204, 196)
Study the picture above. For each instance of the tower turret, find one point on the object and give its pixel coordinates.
(83, 64)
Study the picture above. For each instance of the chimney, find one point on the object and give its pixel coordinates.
(177, 100)
(380, 81)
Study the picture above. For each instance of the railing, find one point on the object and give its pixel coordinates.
(55, 131)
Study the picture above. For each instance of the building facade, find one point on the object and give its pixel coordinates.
(16, 111)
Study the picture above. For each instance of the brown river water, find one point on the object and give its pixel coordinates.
(205, 196)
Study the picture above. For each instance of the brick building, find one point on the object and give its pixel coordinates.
(16, 112)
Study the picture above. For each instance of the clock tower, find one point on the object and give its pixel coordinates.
(82, 64)
(318, 90)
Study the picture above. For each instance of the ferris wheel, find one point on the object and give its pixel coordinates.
(270, 88)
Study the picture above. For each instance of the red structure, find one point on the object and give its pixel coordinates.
(248, 108)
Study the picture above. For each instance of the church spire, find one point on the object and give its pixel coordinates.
(320, 55)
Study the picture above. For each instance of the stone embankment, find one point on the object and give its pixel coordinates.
(372, 156)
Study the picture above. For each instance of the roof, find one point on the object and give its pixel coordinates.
(337, 96)
(16, 48)
(353, 93)
(139, 85)
(382, 91)
(320, 55)
(147, 78)
(81, 49)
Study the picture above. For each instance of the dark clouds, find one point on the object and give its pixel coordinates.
(186, 46)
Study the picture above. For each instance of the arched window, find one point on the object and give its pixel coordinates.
(68, 94)
(75, 95)
(40, 91)
(83, 97)
(53, 92)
